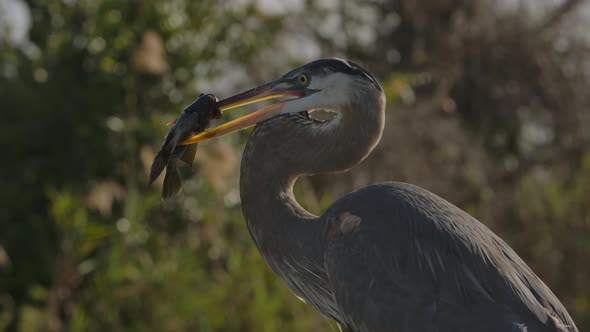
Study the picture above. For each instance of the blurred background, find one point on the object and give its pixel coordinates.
(488, 106)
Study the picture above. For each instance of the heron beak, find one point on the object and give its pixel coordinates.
(278, 88)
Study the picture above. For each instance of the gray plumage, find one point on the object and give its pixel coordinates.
(194, 119)
(431, 266)
(388, 257)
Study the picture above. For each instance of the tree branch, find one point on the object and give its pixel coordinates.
(558, 14)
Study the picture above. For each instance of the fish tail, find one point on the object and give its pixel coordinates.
(172, 180)
(157, 166)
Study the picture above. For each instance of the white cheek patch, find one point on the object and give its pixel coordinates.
(336, 90)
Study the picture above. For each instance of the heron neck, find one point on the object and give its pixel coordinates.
(288, 237)
(277, 223)
(286, 147)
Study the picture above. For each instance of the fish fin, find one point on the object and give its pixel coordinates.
(157, 167)
(189, 154)
(172, 181)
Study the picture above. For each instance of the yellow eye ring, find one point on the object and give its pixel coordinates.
(303, 78)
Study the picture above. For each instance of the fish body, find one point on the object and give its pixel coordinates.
(194, 119)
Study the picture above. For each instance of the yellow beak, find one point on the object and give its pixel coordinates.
(279, 88)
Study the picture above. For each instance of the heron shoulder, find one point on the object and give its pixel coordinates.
(405, 214)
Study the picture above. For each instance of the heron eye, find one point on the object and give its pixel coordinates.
(303, 79)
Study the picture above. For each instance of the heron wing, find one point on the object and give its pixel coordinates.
(400, 258)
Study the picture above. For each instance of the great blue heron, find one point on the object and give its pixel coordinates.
(387, 257)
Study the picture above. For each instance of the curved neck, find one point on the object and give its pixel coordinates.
(286, 147)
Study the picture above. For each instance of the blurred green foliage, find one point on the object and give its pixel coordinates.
(87, 245)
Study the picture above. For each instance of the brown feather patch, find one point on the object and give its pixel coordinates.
(348, 222)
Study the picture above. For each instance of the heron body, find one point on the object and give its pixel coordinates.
(388, 257)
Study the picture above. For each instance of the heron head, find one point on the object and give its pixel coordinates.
(322, 84)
